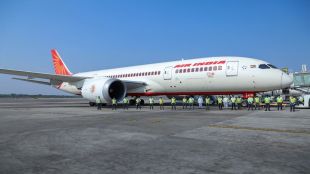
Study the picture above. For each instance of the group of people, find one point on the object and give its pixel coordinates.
(189, 103)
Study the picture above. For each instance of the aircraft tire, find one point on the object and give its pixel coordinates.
(92, 104)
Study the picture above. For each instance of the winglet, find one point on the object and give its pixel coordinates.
(59, 66)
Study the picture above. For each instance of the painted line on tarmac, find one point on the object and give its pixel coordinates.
(261, 129)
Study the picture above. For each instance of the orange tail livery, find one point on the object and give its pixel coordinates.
(59, 66)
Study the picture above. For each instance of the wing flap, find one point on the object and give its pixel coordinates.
(30, 75)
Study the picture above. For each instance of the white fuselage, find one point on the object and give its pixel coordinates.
(202, 76)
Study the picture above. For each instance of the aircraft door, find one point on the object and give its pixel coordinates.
(232, 68)
(168, 73)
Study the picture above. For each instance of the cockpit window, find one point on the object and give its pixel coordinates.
(272, 66)
(263, 66)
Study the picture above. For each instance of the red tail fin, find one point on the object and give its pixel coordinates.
(59, 66)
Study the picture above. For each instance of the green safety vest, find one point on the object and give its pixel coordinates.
(207, 100)
(267, 100)
(220, 100)
(98, 100)
(233, 100)
(125, 100)
(138, 100)
(279, 100)
(256, 99)
(293, 100)
(191, 100)
(113, 101)
(173, 100)
(238, 100)
(184, 100)
(161, 101)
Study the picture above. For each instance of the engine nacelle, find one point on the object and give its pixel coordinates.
(105, 88)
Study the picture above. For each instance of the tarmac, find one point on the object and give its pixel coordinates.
(67, 136)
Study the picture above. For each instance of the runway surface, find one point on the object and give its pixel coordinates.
(66, 136)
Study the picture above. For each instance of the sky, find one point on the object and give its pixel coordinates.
(92, 35)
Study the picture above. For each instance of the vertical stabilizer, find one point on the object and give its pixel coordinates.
(59, 66)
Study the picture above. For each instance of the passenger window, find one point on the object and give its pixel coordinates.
(263, 66)
(201, 69)
(206, 68)
(176, 71)
(184, 70)
(214, 68)
(193, 69)
(188, 70)
(158, 72)
(197, 69)
(155, 72)
(149, 73)
(219, 67)
(210, 68)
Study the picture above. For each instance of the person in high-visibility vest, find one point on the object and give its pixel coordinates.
(257, 103)
(114, 103)
(279, 102)
(220, 102)
(191, 102)
(239, 102)
(125, 103)
(138, 103)
(151, 102)
(250, 103)
(161, 103)
(233, 103)
(98, 102)
(267, 103)
(173, 103)
(184, 100)
(292, 103)
(208, 102)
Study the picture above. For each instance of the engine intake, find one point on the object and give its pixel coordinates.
(105, 88)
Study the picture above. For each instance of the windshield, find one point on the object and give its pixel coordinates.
(263, 66)
(272, 66)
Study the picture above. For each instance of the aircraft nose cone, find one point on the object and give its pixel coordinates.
(286, 81)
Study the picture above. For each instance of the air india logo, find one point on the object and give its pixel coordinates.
(92, 88)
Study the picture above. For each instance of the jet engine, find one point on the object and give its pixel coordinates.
(105, 88)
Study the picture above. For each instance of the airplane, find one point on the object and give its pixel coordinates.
(226, 75)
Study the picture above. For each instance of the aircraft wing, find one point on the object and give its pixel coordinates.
(31, 75)
(33, 81)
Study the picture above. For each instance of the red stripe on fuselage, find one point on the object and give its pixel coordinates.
(192, 93)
